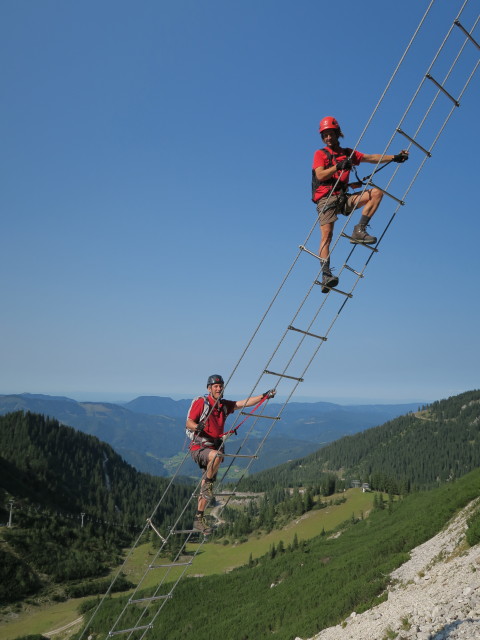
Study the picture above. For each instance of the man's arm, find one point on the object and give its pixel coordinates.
(249, 402)
(191, 424)
(324, 174)
(375, 158)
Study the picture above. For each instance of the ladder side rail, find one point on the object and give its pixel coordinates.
(446, 77)
(146, 610)
(115, 578)
(394, 74)
(139, 586)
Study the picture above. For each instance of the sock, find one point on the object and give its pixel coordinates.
(199, 513)
(364, 220)
(325, 265)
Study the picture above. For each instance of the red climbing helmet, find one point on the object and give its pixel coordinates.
(328, 123)
(215, 379)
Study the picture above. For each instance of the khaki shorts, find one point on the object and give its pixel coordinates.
(334, 209)
(200, 456)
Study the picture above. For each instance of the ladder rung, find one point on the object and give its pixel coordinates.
(386, 193)
(283, 375)
(360, 244)
(307, 333)
(469, 35)
(175, 531)
(172, 564)
(357, 273)
(419, 146)
(116, 633)
(237, 455)
(344, 293)
(260, 415)
(151, 599)
(437, 84)
(315, 255)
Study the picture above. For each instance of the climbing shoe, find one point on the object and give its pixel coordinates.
(360, 235)
(328, 281)
(200, 524)
(206, 492)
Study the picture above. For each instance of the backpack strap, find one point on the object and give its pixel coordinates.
(207, 409)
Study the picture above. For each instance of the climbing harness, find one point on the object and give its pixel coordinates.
(334, 184)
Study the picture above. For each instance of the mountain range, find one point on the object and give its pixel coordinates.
(51, 473)
(149, 431)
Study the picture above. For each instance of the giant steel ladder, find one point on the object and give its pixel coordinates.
(433, 100)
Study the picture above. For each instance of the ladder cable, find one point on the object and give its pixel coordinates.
(306, 339)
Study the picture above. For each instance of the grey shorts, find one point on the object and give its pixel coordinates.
(200, 456)
(334, 209)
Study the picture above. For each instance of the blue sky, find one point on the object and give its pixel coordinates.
(155, 165)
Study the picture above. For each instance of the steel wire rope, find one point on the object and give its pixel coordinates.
(371, 255)
(440, 131)
(308, 293)
(412, 39)
(388, 184)
(146, 572)
(422, 82)
(137, 543)
(359, 139)
(144, 612)
(318, 311)
(293, 264)
(409, 187)
(362, 134)
(132, 549)
(407, 110)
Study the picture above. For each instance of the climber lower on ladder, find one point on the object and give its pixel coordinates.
(330, 173)
(205, 427)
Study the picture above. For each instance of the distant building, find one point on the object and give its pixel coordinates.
(356, 484)
(365, 487)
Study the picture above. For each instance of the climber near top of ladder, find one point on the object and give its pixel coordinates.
(330, 172)
(205, 427)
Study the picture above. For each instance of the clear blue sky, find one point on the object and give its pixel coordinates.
(155, 169)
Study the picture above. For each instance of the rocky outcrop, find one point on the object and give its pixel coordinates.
(433, 596)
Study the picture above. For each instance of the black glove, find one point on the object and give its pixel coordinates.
(270, 393)
(199, 428)
(400, 157)
(344, 165)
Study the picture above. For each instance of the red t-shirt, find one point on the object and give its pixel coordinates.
(320, 160)
(215, 424)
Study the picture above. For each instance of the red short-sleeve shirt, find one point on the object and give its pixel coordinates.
(320, 160)
(215, 424)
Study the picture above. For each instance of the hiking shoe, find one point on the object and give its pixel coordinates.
(206, 492)
(200, 524)
(360, 235)
(328, 281)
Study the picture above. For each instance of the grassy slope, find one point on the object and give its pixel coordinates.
(214, 558)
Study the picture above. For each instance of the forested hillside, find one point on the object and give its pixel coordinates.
(149, 432)
(299, 589)
(76, 504)
(414, 451)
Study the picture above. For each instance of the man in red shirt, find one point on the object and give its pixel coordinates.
(205, 426)
(330, 172)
